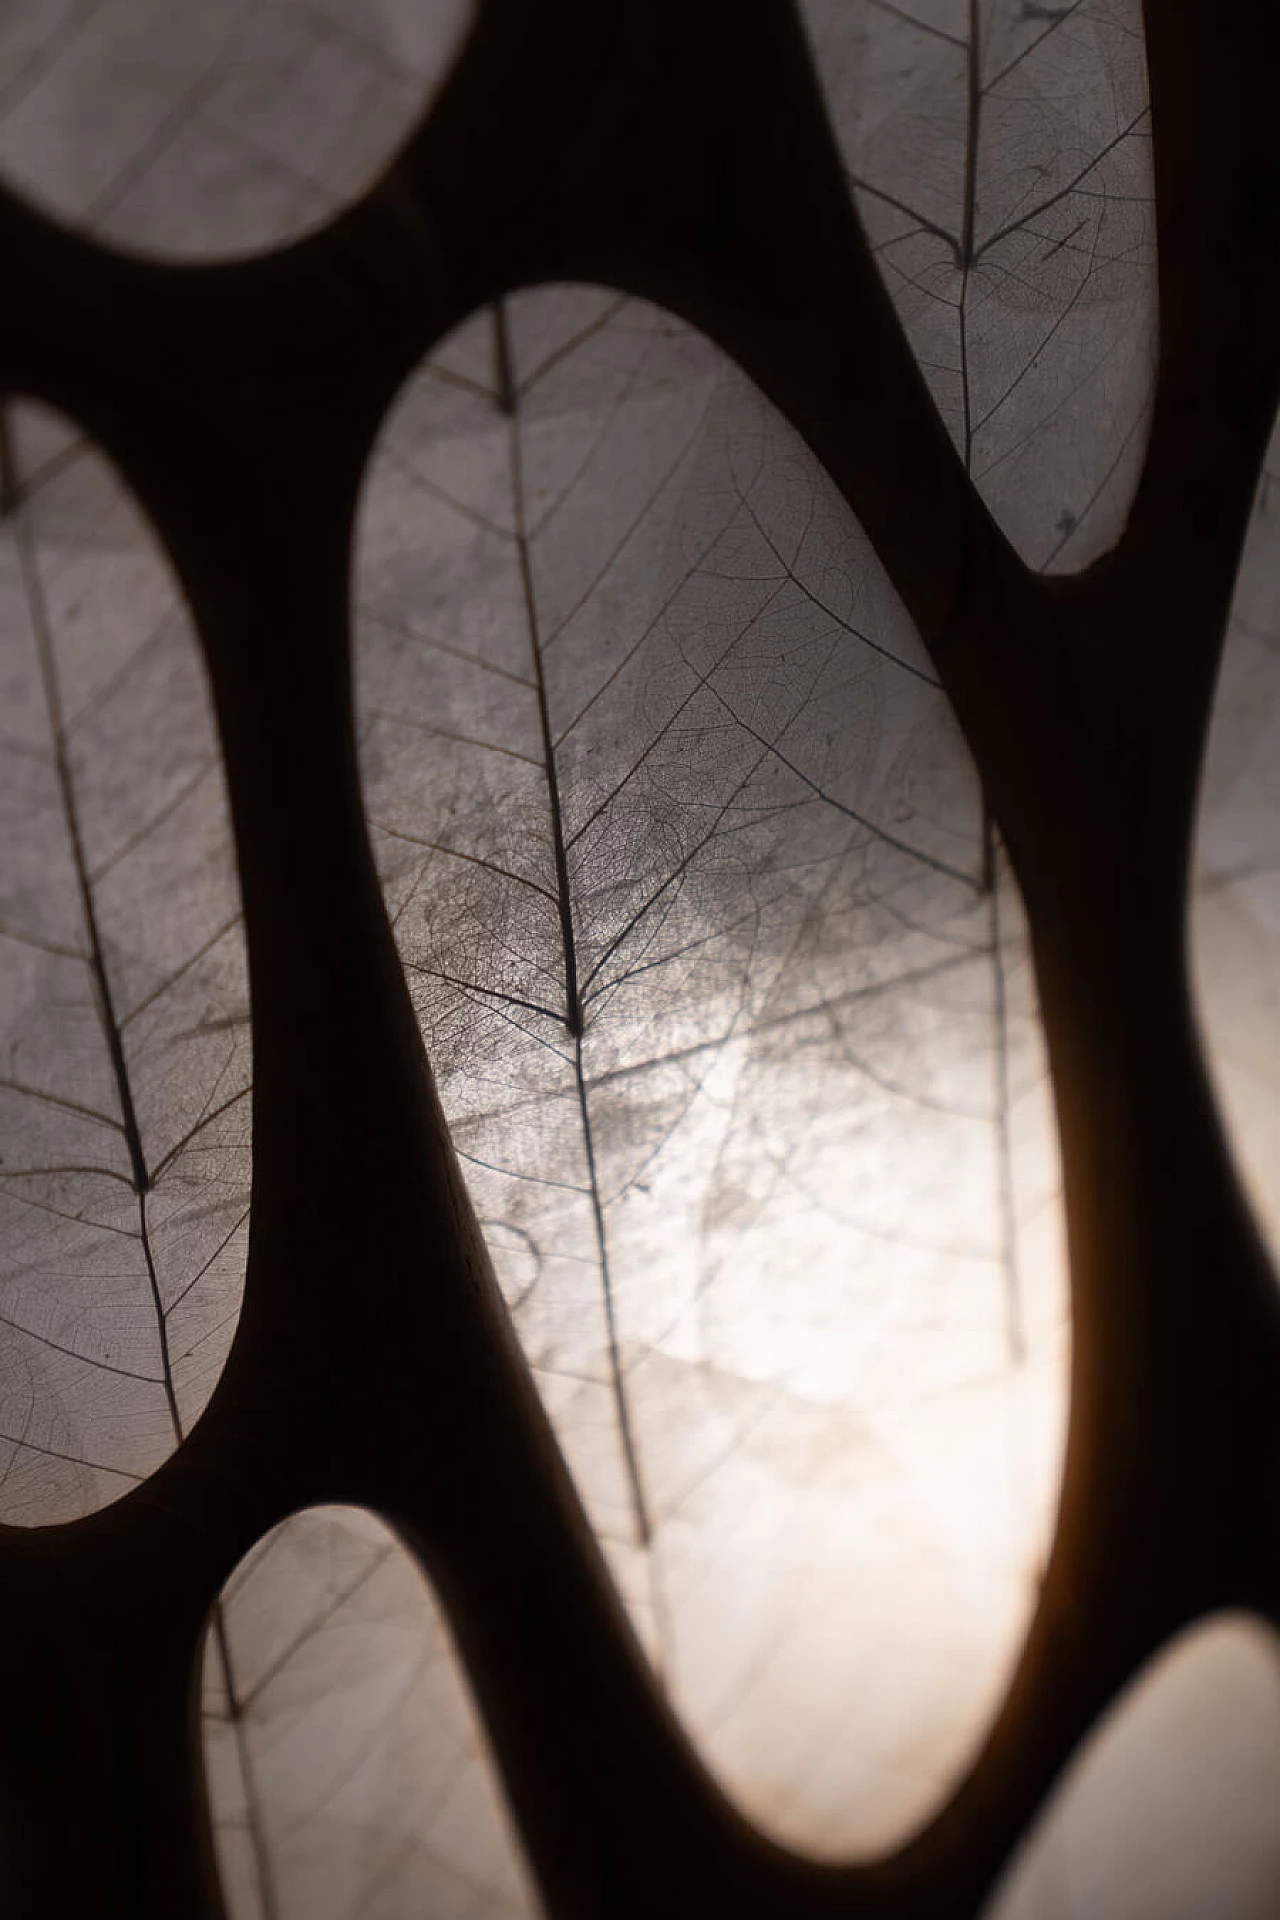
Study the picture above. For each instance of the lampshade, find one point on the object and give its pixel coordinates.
(637, 1174)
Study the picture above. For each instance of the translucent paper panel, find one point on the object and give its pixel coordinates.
(212, 127)
(1235, 918)
(1000, 157)
(727, 993)
(124, 1121)
(1169, 1812)
(346, 1770)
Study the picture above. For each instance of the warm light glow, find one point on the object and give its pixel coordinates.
(718, 961)
(786, 1237)
(1168, 1810)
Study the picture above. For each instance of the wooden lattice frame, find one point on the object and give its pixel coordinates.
(677, 149)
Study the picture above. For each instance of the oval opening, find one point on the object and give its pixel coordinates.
(200, 131)
(347, 1773)
(124, 1111)
(727, 995)
(1000, 160)
(1168, 1811)
(1235, 908)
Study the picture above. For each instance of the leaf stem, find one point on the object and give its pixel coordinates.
(97, 964)
(96, 957)
(573, 1016)
(631, 1458)
(235, 1708)
(564, 903)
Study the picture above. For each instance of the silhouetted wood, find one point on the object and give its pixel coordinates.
(679, 151)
